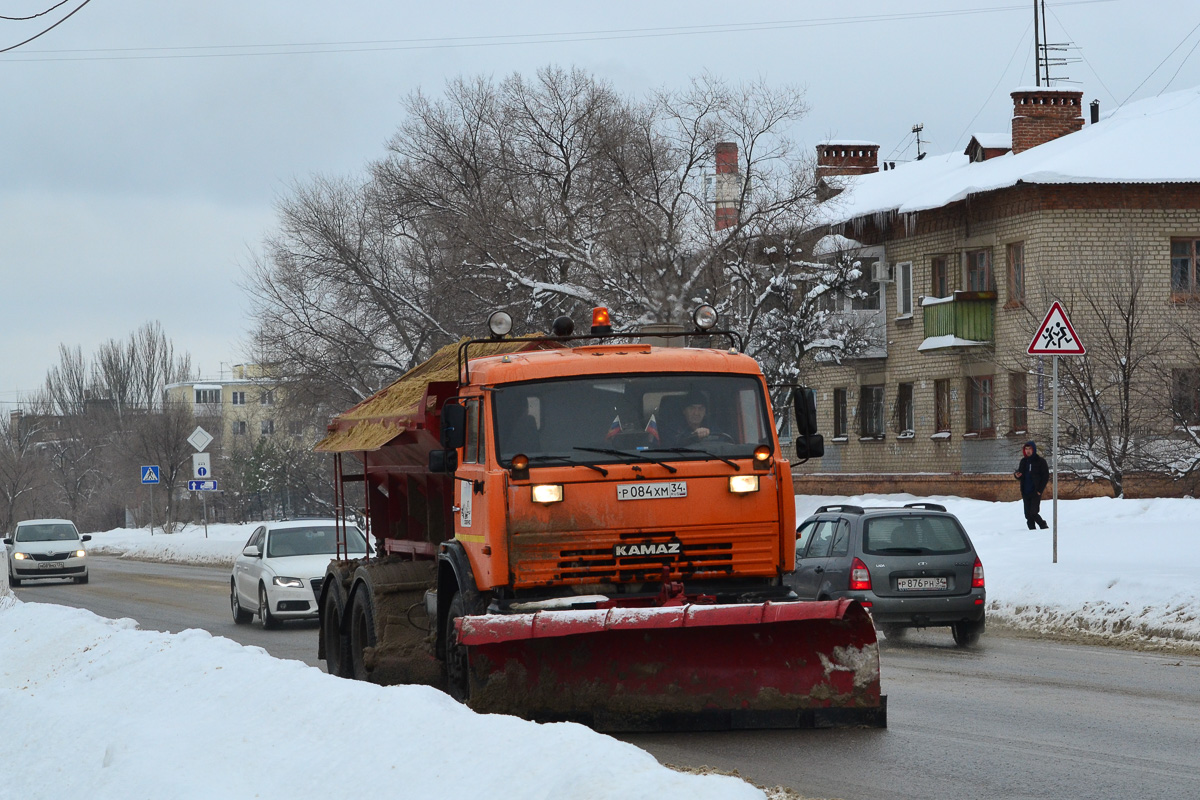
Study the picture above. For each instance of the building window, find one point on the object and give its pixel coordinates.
(840, 427)
(941, 405)
(979, 271)
(237, 398)
(1018, 393)
(1184, 256)
(267, 426)
(904, 300)
(1016, 273)
(940, 277)
(238, 427)
(267, 398)
(296, 428)
(904, 411)
(979, 406)
(1185, 396)
(208, 397)
(870, 412)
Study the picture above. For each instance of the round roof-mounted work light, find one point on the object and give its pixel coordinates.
(563, 326)
(500, 324)
(705, 317)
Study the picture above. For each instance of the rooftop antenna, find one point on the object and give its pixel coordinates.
(1037, 47)
(916, 129)
(1043, 48)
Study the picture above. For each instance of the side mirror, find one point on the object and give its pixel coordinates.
(809, 443)
(87, 537)
(443, 462)
(810, 446)
(805, 401)
(252, 551)
(8, 541)
(454, 426)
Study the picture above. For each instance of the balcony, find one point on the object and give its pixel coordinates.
(960, 322)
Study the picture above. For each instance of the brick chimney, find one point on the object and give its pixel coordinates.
(728, 187)
(847, 158)
(1044, 114)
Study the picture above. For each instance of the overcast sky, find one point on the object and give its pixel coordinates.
(143, 144)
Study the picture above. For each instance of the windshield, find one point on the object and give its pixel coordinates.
(607, 418)
(47, 532)
(311, 541)
(913, 535)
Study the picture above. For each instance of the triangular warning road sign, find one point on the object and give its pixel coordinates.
(1055, 336)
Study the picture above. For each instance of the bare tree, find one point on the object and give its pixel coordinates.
(19, 466)
(544, 195)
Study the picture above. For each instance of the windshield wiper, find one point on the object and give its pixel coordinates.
(569, 460)
(692, 450)
(639, 456)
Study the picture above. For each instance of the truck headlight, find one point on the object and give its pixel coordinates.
(547, 493)
(740, 484)
(291, 583)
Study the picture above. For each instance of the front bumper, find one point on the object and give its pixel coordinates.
(920, 612)
(294, 602)
(30, 569)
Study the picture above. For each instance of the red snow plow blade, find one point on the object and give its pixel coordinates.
(694, 667)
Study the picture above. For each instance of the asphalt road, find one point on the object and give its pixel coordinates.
(1012, 718)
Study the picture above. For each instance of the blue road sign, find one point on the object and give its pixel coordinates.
(202, 486)
(150, 474)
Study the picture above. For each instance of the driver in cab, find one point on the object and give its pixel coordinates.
(693, 427)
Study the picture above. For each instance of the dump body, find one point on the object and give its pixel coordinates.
(602, 551)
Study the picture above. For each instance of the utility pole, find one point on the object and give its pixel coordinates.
(1037, 47)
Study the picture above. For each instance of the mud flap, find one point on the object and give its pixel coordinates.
(696, 667)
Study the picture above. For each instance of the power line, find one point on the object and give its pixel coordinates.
(47, 30)
(35, 16)
(1085, 61)
(1003, 73)
(1181, 63)
(436, 43)
(1156, 69)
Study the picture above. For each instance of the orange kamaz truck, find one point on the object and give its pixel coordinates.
(589, 528)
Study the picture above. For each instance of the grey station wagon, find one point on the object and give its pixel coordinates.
(912, 567)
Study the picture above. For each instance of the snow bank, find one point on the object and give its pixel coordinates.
(95, 708)
(1128, 570)
(187, 545)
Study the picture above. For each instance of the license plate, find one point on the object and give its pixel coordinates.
(651, 491)
(50, 565)
(921, 584)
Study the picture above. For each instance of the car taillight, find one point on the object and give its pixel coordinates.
(977, 575)
(860, 576)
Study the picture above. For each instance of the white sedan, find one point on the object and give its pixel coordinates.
(46, 548)
(278, 575)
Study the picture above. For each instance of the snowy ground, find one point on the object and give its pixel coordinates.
(97, 708)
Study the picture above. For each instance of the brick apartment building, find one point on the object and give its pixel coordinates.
(962, 255)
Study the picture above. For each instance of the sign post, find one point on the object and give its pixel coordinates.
(150, 477)
(1055, 337)
(202, 469)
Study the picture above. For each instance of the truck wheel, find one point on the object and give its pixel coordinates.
(457, 680)
(337, 645)
(362, 634)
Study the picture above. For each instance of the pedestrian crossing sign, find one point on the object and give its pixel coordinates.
(1056, 337)
(150, 474)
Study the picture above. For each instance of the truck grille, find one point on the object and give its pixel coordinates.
(545, 558)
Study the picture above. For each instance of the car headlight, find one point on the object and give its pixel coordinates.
(20, 556)
(80, 553)
(548, 493)
(291, 583)
(740, 484)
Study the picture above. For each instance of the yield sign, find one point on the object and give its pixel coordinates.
(1055, 336)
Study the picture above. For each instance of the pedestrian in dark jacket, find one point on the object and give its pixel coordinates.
(1034, 474)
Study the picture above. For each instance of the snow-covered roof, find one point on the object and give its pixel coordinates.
(1150, 141)
(834, 243)
(992, 141)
